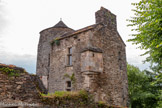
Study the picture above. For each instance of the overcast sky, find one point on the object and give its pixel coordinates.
(22, 20)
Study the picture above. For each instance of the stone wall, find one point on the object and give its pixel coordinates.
(105, 17)
(59, 66)
(91, 61)
(23, 92)
(18, 89)
(44, 48)
(113, 82)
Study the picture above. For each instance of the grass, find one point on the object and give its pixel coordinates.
(65, 97)
(62, 94)
(79, 99)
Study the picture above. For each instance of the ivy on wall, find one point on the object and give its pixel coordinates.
(72, 77)
(56, 41)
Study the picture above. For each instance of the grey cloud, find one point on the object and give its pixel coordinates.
(25, 61)
(137, 61)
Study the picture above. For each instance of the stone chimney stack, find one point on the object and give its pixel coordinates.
(107, 18)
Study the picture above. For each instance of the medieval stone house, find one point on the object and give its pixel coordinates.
(92, 58)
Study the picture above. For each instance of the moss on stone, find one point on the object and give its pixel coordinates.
(56, 41)
(72, 99)
(11, 70)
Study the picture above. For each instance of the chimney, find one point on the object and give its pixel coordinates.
(107, 18)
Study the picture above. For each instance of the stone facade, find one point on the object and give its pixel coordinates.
(92, 58)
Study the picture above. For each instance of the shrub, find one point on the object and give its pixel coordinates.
(11, 70)
(56, 41)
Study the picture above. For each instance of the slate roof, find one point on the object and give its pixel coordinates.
(60, 24)
(69, 34)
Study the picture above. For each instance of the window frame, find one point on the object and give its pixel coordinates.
(69, 63)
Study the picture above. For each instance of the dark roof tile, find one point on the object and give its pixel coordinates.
(69, 34)
(60, 24)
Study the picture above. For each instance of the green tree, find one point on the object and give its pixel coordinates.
(148, 25)
(142, 93)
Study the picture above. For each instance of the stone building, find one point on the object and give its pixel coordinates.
(92, 58)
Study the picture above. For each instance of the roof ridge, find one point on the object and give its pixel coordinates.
(78, 31)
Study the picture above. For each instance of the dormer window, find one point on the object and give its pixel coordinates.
(70, 56)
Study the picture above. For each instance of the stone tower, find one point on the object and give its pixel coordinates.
(44, 49)
(92, 58)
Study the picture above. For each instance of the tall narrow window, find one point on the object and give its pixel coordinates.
(119, 55)
(49, 60)
(70, 57)
(119, 59)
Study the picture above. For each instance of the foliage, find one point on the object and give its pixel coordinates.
(65, 96)
(65, 93)
(11, 70)
(143, 93)
(56, 41)
(102, 104)
(148, 24)
(72, 77)
(71, 99)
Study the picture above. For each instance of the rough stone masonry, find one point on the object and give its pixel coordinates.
(92, 58)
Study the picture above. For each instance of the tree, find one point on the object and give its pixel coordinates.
(148, 25)
(142, 93)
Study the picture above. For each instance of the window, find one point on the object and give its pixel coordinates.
(119, 59)
(70, 56)
(93, 55)
(119, 55)
(68, 86)
(68, 83)
(49, 60)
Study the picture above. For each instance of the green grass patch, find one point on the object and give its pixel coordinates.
(66, 97)
(62, 94)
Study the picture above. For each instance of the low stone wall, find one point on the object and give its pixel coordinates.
(74, 99)
(24, 90)
(18, 90)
